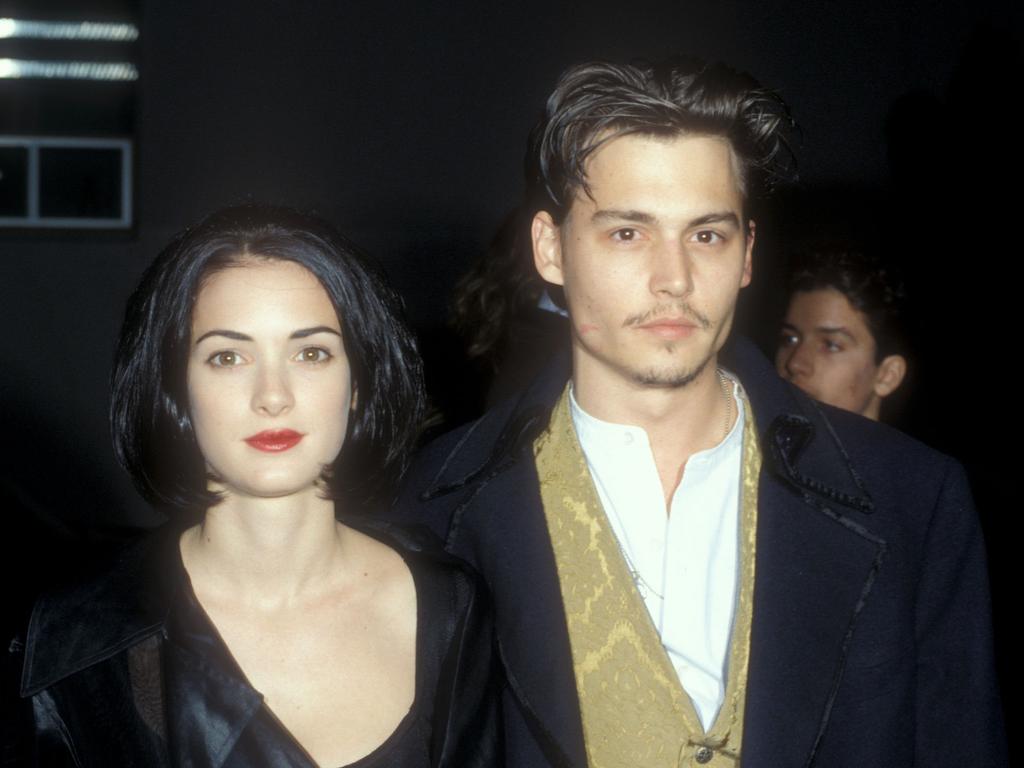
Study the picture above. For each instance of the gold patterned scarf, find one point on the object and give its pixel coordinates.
(634, 710)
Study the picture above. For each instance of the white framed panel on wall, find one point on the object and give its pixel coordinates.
(65, 182)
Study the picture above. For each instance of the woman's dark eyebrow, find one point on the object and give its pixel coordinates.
(302, 333)
(228, 334)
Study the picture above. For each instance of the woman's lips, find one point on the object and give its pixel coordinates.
(274, 440)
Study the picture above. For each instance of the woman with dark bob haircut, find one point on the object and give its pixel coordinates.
(266, 396)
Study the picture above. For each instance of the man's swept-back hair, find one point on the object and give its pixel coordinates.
(150, 415)
(596, 102)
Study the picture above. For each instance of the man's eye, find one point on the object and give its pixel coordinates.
(314, 355)
(225, 359)
(708, 237)
(626, 235)
(833, 346)
(787, 339)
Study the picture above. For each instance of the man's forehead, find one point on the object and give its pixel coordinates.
(652, 175)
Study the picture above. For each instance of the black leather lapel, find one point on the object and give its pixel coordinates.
(207, 710)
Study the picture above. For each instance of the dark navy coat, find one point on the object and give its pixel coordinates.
(871, 642)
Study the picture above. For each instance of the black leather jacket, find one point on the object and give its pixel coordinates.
(125, 669)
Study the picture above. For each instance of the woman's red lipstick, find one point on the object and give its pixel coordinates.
(274, 440)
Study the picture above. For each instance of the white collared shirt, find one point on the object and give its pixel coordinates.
(684, 563)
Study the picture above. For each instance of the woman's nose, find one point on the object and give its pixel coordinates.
(272, 395)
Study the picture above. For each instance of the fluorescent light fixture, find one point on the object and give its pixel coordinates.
(114, 32)
(15, 69)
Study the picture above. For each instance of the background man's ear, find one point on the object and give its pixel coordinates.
(748, 263)
(547, 247)
(891, 372)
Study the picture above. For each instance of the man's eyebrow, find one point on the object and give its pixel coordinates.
(302, 333)
(613, 214)
(718, 217)
(835, 329)
(640, 217)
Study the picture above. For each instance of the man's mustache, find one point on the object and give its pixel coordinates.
(674, 310)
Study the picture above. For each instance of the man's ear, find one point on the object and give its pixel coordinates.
(547, 247)
(748, 263)
(891, 372)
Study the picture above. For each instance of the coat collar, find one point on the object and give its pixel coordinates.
(816, 560)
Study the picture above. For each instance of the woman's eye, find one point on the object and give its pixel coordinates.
(224, 359)
(314, 355)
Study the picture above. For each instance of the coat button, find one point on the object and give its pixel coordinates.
(704, 755)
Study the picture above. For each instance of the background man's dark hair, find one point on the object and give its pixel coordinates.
(149, 414)
(872, 287)
(596, 102)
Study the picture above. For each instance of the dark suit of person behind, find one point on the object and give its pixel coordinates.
(867, 604)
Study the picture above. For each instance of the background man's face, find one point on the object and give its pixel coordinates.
(827, 349)
(653, 263)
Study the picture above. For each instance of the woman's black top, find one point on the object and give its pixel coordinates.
(126, 669)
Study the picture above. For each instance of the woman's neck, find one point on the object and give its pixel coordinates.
(266, 552)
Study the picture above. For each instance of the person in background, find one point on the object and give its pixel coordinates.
(842, 339)
(508, 317)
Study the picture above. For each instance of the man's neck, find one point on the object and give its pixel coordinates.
(679, 421)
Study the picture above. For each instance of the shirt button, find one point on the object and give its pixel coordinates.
(704, 755)
(628, 438)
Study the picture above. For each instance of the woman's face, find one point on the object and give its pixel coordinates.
(269, 383)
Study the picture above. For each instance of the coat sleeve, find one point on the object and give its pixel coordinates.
(959, 715)
(467, 714)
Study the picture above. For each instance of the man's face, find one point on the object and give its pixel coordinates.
(826, 349)
(653, 262)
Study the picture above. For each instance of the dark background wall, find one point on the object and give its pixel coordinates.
(405, 122)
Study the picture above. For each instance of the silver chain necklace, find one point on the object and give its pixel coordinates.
(642, 585)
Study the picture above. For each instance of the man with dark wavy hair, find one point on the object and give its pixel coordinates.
(693, 563)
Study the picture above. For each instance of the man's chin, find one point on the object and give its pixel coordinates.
(673, 377)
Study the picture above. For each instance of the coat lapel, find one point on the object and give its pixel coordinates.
(817, 560)
(491, 477)
(530, 617)
(206, 710)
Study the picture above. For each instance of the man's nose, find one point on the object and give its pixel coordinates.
(672, 270)
(798, 361)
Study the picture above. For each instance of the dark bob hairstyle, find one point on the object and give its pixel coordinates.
(149, 412)
(599, 101)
